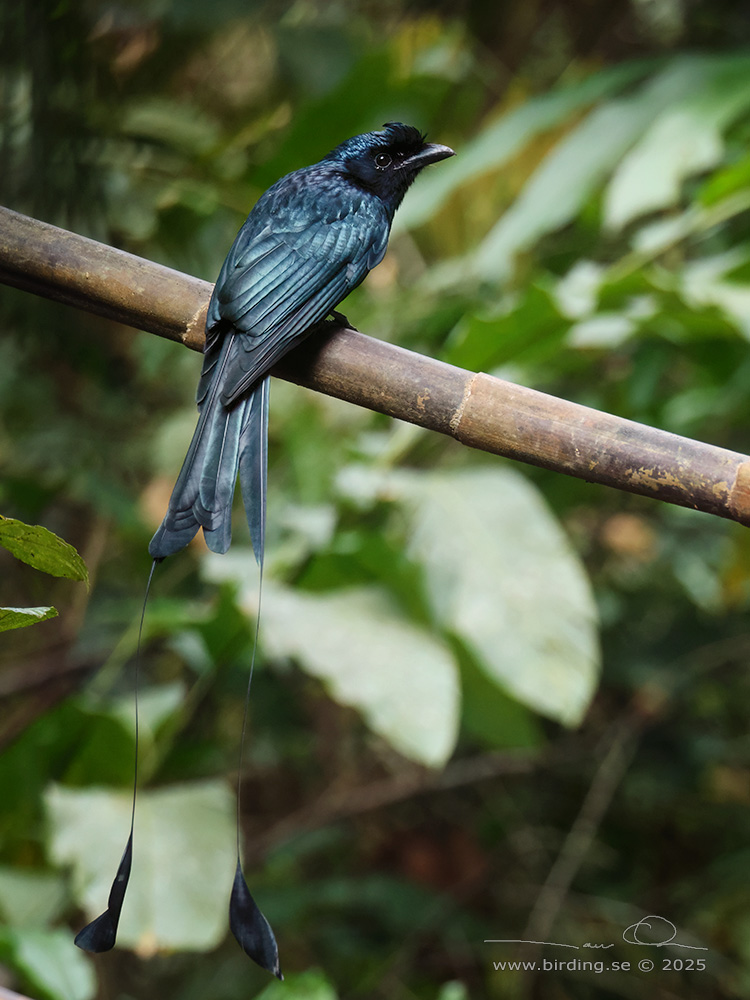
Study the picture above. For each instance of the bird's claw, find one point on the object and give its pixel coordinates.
(341, 320)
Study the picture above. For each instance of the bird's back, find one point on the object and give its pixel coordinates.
(309, 240)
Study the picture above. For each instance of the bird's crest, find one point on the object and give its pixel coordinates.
(394, 135)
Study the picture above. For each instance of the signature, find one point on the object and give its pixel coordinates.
(663, 930)
(658, 926)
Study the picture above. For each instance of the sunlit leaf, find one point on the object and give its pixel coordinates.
(681, 142)
(156, 704)
(604, 330)
(21, 617)
(40, 548)
(501, 574)
(704, 282)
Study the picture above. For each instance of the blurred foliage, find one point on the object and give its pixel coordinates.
(45, 551)
(491, 702)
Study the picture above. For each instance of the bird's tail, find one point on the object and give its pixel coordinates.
(226, 442)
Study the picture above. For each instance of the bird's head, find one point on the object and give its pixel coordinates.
(386, 162)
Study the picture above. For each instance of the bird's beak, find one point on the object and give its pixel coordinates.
(431, 152)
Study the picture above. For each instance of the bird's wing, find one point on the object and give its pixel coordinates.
(282, 277)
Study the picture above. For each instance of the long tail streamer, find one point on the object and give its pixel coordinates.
(101, 934)
(247, 923)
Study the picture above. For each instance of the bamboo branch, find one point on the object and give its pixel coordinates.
(476, 409)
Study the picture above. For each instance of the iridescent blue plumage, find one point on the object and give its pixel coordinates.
(309, 240)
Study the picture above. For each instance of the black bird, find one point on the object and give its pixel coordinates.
(309, 240)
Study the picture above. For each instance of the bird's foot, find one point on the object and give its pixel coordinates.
(341, 320)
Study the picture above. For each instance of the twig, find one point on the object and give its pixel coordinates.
(337, 803)
(622, 743)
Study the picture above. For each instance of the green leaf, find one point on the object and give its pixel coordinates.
(21, 617)
(51, 962)
(723, 183)
(530, 330)
(681, 142)
(183, 860)
(40, 548)
(501, 574)
(704, 282)
(310, 985)
(156, 704)
(492, 716)
(453, 990)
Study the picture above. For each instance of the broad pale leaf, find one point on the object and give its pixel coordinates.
(501, 574)
(29, 897)
(183, 859)
(403, 680)
(50, 962)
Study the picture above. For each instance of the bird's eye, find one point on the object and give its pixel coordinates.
(382, 160)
